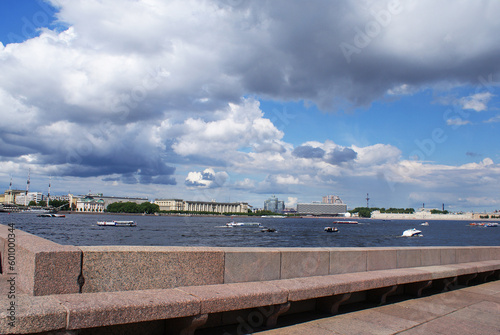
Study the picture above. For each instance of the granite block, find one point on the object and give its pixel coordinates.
(347, 260)
(304, 262)
(32, 315)
(363, 281)
(409, 257)
(465, 255)
(89, 310)
(381, 258)
(44, 267)
(440, 271)
(485, 266)
(251, 264)
(313, 287)
(413, 275)
(430, 256)
(108, 269)
(448, 256)
(236, 296)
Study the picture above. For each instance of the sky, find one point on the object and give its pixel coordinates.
(238, 100)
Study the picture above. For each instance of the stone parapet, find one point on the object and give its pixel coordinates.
(42, 267)
(77, 288)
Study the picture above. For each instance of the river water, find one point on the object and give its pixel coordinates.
(81, 229)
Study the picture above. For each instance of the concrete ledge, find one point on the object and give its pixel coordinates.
(43, 267)
(110, 308)
(116, 268)
(32, 315)
(230, 297)
(251, 264)
(192, 303)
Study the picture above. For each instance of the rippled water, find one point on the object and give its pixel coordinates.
(81, 229)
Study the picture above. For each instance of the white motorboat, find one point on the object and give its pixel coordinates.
(117, 223)
(331, 229)
(424, 224)
(243, 224)
(412, 232)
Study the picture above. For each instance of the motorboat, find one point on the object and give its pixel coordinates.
(331, 229)
(117, 223)
(424, 224)
(243, 224)
(345, 222)
(412, 232)
(268, 230)
(491, 224)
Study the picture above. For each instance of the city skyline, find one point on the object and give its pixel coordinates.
(239, 100)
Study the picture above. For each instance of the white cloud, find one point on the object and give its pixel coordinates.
(477, 102)
(206, 179)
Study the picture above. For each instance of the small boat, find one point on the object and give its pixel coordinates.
(412, 232)
(243, 224)
(345, 222)
(268, 230)
(331, 229)
(492, 224)
(424, 224)
(117, 223)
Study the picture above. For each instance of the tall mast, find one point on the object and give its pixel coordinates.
(48, 194)
(27, 189)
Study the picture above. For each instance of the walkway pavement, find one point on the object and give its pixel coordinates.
(470, 310)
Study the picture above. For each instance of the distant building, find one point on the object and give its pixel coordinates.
(331, 205)
(274, 205)
(332, 199)
(10, 196)
(201, 206)
(22, 198)
(99, 202)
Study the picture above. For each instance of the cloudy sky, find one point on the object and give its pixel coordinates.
(237, 100)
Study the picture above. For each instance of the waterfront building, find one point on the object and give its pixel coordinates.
(90, 204)
(170, 204)
(331, 205)
(274, 205)
(201, 206)
(23, 198)
(99, 202)
(9, 196)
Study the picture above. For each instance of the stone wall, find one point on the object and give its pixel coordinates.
(44, 267)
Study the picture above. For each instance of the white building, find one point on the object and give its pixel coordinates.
(22, 199)
(99, 202)
(331, 205)
(201, 206)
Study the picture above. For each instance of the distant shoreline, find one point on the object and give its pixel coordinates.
(340, 218)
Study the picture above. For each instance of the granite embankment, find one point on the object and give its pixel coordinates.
(156, 290)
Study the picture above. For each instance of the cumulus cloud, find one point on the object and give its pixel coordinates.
(477, 102)
(206, 179)
(341, 155)
(131, 91)
(307, 151)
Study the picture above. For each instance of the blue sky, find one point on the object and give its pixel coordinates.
(239, 100)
